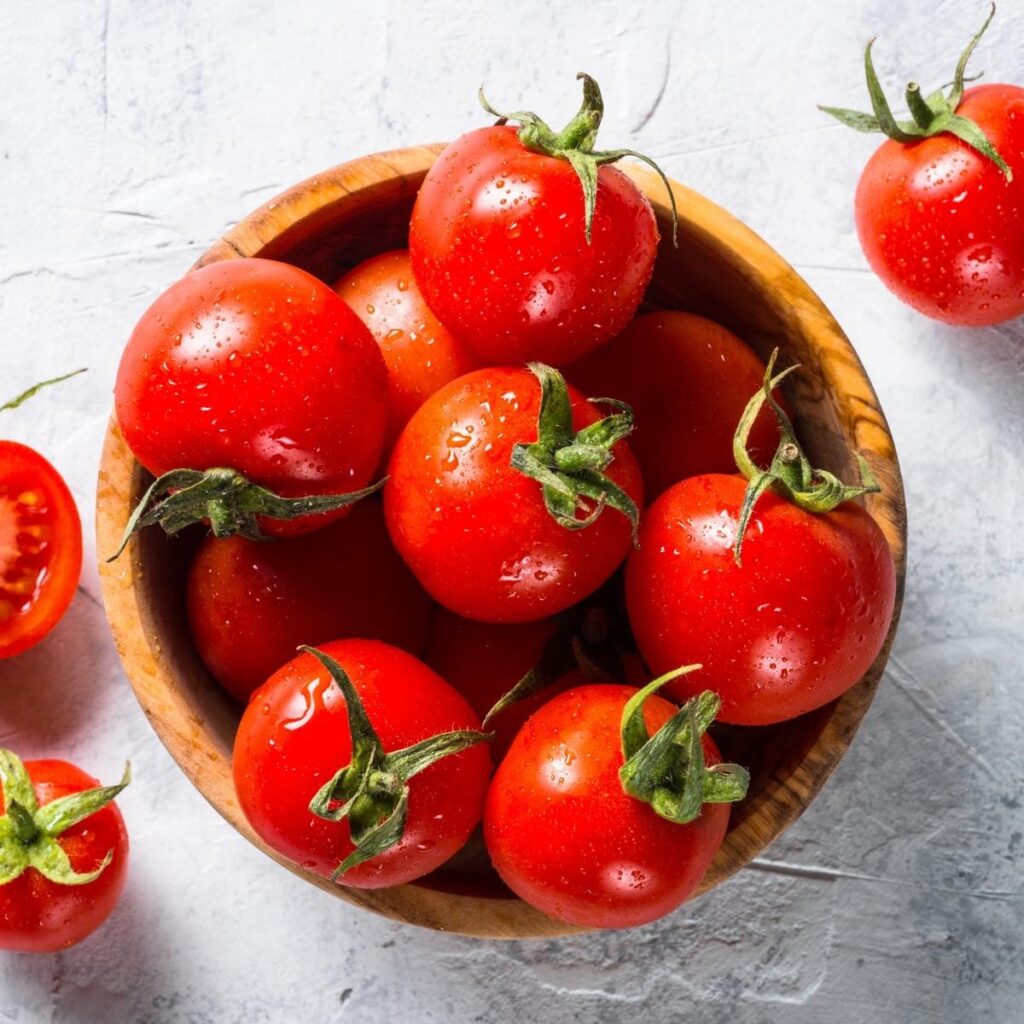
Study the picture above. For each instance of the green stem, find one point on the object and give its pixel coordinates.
(13, 403)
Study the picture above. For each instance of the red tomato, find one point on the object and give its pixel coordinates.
(257, 366)
(566, 838)
(941, 225)
(791, 629)
(499, 250)
(476, 531)
(40, 548)
(420, 352)
(688, 381)
(484, 661)
(38, 915)
(294, 736)
(250, 604)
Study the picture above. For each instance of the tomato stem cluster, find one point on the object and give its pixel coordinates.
(575, 144)
(29, 833)
(372, 792)
(570, 465)
(667, 770)
(229, 501)
(790, 474)
(930, 115)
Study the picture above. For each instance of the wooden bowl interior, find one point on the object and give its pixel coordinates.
(720, 270)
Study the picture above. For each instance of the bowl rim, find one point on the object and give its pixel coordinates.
(146, 665)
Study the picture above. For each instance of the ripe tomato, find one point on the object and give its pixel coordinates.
(477, 531)
(792, 628)
(484, 662)
(58, 885)
(40, 548)
(250, 604)
(296, 734)
(688, 381)
(566, 837)
(940, 206)
(420, 352)
(939, 222)
(499, 241)
(257, 366)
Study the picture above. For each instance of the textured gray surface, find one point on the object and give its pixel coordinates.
(134, 133)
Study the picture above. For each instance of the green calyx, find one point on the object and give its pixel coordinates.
(29, 833)
(372, 791)
(931, 115)
(13, 403)
(575, 144)
(230, 502)
(667, 770)
(790, 474)
(570, 465)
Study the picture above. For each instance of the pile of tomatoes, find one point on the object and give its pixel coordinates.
(403, 476)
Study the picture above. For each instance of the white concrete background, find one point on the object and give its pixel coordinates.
(133, 134)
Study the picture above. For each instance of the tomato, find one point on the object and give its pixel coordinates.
(484, 662)
(420, 352)
(940, 224)
(940, 206)
(256, 366)
(250, 604)
(688, 380)
(477, 531)
(296, 734)
(792, 628)
(499, 245)
(40, 548)
(84, 863)
(566, 837)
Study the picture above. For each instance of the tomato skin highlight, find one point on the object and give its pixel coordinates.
(258, 366)
(688, 381)
(498, 247)
(421, 353)
(474, 530)
(791, 629)
(567, 839)
(40, 916)
(251, 604)
(40, 548)
(940, 224)
(294, 737)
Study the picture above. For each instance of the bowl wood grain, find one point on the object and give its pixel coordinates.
(722, 270)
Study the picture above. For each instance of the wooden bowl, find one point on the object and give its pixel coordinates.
(721, 269)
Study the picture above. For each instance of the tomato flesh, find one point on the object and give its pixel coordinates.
(566, 838)
(40, 548)
(40, 916)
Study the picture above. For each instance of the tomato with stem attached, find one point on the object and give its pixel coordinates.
(359, 763)
(63, 854)
(256, 397)
(610, 805)
(940, 205)
(775, 580)
(509, 496)
(421, 353)
(250, 603)
(527, 243)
